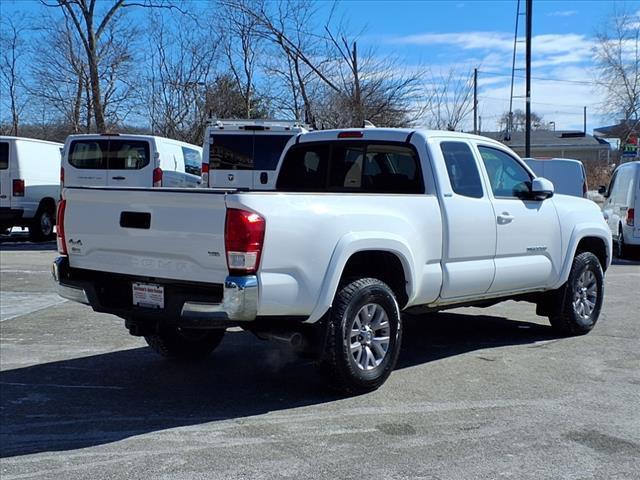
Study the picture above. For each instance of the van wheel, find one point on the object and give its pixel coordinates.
(41, 228)
(621, 247)
(364, 333)
(580, 299)
(183, 343)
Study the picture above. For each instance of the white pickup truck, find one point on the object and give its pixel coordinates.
(363, 225)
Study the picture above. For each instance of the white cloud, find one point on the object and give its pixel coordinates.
(562, 13)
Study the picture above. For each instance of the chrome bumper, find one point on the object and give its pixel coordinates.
(67, 292)
(239, 302)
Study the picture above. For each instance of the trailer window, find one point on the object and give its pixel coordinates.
(4, 155)
(192, 161)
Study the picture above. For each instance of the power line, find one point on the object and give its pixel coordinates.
(594, 105)
(547, 79)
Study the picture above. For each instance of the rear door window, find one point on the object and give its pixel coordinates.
(246, 152)
(4, 155)
(462, 169)
(109, 154)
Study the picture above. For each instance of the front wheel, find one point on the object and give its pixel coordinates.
(184, 344)
(580, 299)
(364, 333)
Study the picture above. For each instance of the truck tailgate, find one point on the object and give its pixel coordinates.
(162, 233)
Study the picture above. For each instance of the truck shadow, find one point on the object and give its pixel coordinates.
(99, 399)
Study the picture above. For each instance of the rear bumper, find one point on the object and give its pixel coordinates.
(11, 216)
(188, 305)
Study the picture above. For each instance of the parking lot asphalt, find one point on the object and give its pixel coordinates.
(477, 394)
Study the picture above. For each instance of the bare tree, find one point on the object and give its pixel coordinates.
(12, 46)
(183, 60)
(518, 121)
(448, 99)
(91, 30)
(617, 52)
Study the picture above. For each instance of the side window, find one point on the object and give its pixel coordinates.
(304, 169)
(192, 161)
(462, 169)
(612, 185)
(4, 155)
(507, 177)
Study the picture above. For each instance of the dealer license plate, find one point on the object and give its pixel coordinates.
(148, 295)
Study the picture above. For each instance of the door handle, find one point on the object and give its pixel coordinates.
(119, 178)
(504, 218)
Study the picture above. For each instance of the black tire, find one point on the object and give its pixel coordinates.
(338, 363)
(41, 227)
(622, 250)
(185, 344)
(570, 315)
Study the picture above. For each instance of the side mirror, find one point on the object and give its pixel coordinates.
(541, 188)
(602, 190)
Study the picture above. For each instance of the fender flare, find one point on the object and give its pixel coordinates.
(353, 243)
(579, 232)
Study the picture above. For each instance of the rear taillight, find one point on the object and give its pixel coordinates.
(157, 177)
(204, 173)
(61, 177)
(350, 134)
(62, 244)
(205, 168)
(630, 214)
(18, 187)
(243, 238)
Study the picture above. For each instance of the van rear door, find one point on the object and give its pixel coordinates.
(267, 148)
(130, 162)
(5, 176)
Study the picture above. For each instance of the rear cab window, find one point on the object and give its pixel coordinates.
(358, 166)
(4, 155)
(112, 154)
(246, 151)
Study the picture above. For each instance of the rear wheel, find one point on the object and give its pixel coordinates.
(41, 228)
(579, 301)
(183, 343)
(363, 338)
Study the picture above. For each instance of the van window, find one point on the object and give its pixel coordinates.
(246, 152)
(109, 154)
(192, 161)
(462, 169)
(356, 167)
(4, 155)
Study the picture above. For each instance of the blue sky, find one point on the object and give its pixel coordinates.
(467, 34)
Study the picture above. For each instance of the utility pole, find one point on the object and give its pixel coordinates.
(585, 120)
(475, 101)
(527, 128)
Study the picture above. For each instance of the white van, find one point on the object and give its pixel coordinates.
(129, 161)
(245, 153)
(621, 208)
(29, 185)
(568, 176)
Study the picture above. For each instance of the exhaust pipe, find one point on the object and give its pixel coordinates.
(295, 340)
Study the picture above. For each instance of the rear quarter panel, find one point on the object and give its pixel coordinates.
(310, 237)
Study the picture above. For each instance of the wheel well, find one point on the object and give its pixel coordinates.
(596, 246)
(48, 203)
(384, 266)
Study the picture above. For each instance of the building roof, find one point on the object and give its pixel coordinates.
(551, 138)
(619, 130)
